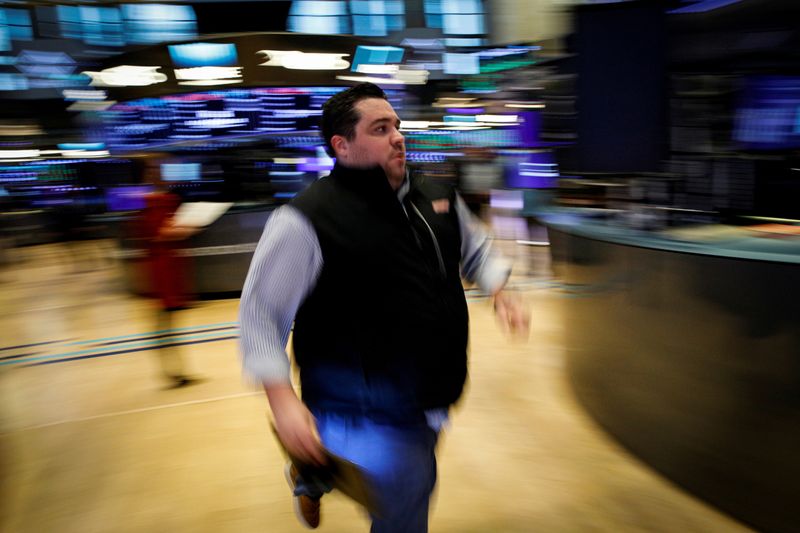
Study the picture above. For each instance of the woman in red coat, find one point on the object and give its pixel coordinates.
(166, 269)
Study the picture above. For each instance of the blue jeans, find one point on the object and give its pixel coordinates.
(398, 461)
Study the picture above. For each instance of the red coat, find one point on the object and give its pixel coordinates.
(167, 271)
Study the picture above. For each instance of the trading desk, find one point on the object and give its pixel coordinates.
(685, 345)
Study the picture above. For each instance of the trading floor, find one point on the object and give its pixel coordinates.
(92, 441)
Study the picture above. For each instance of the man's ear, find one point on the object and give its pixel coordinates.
(340, 145)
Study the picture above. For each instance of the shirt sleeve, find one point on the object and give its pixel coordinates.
(480, 262)
(284, 269)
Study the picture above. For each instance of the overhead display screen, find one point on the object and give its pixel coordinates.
(149, 122)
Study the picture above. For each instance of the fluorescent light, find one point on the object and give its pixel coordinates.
(204, 83)
(372, 79)
(91, 106)
(472, 126)
(126, 76)
(433, 44)
(85, 153)
(498, 119)
(18, 154)
(412, 76)
(414, 125)
(296, 60)
(78, 94)
(366, 68)
(529, 105)
(457, 102)
(20, 130)
(95, 153)
(208, 73)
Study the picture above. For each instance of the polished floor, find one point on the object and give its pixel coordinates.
(92, 441)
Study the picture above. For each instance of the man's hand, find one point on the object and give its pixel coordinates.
(511, 313)
(295, 424)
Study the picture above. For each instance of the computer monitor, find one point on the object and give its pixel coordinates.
(768, 113)
(181, 171)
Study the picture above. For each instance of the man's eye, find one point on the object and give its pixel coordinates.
(380, 129)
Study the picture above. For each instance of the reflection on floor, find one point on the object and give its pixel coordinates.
(90, 440)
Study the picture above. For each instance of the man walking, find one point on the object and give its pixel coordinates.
(367, 262)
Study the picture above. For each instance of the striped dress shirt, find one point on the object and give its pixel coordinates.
(286, 265)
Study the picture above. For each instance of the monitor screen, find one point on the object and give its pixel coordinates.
(768, 113)
(461, 63)
(158, 23)
(376, 55)
(203, 55)
(180, 171)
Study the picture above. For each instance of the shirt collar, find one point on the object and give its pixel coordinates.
(404, 188)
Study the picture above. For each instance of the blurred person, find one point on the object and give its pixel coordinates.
(479, 172)
(166, 270)
(368, 264)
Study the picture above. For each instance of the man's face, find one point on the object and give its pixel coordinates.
(377, 140)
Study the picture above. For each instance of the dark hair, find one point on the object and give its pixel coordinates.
(339, 116)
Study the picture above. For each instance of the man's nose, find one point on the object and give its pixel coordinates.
(397, 138)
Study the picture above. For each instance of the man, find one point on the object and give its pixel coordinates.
(367, 263)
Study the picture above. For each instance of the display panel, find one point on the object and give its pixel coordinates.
(180, 171)
(157, 23)
(768, 114)
(203, 55)
(376, 55)
(148, 122)
(315, 16)
(461, 64)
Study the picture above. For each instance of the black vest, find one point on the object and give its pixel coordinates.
(384, 331)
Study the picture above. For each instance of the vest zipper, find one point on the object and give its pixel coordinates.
(435, 242)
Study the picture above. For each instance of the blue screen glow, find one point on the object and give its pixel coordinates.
(461, 63)
(768, 113)
(203, 55)
(158, 23)
(19, 24)
(463, 24)
(317, 8)
(180, 171)
(376, 55)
